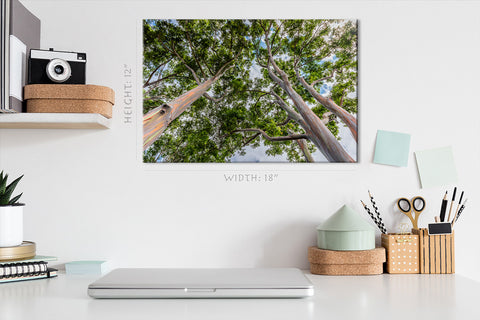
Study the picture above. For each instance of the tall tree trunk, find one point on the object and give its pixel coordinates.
(316, 129)
(346, 117)
(157, 120)
(302, 144)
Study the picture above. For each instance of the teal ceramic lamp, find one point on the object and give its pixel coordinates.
(345, 230)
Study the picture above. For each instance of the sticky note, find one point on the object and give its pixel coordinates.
(392, 148)
(436, 167)
(85, 267)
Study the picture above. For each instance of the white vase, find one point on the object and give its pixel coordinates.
(11, 226)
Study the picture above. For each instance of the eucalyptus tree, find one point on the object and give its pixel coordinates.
(291, 51)
(187, 54)
(214, 87)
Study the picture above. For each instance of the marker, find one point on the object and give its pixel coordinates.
(444, 207)
(451, 204)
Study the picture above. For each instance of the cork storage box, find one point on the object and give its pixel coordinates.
(402, 252)
(437, 252)
(69, 98)
(357, 262)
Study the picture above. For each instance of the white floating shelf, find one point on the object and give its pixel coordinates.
(54, 121)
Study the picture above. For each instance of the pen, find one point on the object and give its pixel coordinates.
(444, 207)
(459, 212)
(451, 204)
(458, 207)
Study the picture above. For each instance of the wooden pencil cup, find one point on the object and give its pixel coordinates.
(402, 252)
(437, 252)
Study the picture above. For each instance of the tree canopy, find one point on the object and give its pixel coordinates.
(216, 89)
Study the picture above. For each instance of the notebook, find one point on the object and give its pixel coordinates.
(202, 283)
(19, 32)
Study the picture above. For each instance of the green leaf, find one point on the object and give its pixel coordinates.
(14, 199)
(3, 183)
(5, 197)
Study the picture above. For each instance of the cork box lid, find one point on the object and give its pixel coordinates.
(69, 91)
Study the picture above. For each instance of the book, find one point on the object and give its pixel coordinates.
(4, 32)
(20, 32)
(34, 259)
(35, 268)
(49, 273)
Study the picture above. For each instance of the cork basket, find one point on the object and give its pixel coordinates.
(69, 98)
(358, 262)
(402, 252)
(437, 252)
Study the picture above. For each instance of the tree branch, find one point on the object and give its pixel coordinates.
(266, 136)
(216, 100)
(172, 50)
(346, 117)
(292, 114)
(159, 80)
(194, 54)
(302, 144)
(154, 71)
(324, 78)
(282, 74)
(251, 139)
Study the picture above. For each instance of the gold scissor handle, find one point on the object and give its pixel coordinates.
(406, 207)
(418, 205)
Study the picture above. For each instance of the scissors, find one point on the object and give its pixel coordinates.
(417, 205)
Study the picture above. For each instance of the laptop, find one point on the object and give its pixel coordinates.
(202, 283)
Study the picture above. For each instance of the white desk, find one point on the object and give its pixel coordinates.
(368, 297)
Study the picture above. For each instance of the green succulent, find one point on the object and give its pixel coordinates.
(6, 191)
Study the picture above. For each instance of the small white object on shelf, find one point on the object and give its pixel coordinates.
(54, 121)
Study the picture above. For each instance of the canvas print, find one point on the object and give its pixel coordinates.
(250, 91)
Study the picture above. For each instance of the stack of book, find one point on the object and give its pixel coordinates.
(20, 270)
(19, 32)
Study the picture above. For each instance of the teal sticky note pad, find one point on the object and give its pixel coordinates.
(392, 148)
(85, 267)
(436, 167)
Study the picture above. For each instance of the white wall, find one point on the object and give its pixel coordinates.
(89, 196)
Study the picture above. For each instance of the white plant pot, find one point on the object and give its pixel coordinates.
(11, 226)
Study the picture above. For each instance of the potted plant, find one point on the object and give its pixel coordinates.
(11, 213)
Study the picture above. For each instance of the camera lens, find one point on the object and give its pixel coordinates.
(58, 70)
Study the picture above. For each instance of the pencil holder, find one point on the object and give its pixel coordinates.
(437, 252)
(402, 252)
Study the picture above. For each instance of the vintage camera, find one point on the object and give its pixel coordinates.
(48, 66)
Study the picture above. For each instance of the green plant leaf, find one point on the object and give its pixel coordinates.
(5, 197)
(3, 183)
(14, 199)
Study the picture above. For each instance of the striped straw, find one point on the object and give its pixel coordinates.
(382, 228)
(379, 218)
